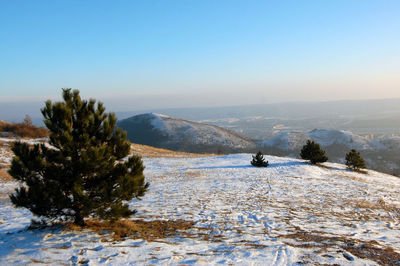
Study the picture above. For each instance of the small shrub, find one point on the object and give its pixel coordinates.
(354, 160)
(258, 160)
(312, 152)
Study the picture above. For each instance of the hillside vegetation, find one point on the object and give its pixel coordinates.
(24, 130)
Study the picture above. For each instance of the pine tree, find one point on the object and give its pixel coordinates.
(84, 172)
(258, 160)
(354, 160)
(312, 152)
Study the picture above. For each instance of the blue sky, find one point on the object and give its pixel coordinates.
(186, 53)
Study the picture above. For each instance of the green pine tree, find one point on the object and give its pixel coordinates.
(354, 160)
(312, 152)
(258, 160)
(85, 172)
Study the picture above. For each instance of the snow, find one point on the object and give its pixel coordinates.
(5, 148)
(329, 137)
(391, 143)
(157, 121)
(179, 131)
(286, 141)
(325, 137)
(248, 214)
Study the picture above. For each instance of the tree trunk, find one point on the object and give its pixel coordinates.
(79, 220)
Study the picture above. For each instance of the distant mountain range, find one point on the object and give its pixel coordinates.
(260, 122)
(177, 134)
(380, 117)
(382, 154)
(294, 141)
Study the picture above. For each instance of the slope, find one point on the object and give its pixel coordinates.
(381, 154)
(181, 135)
(291, 212)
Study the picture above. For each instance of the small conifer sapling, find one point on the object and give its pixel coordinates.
(258, 160)
(313, 152)
(354, 160)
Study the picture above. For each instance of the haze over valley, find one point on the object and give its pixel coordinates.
(363, 117)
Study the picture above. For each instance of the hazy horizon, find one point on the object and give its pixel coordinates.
(149, 102)
(15, 111)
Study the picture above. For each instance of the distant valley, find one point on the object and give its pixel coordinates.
(380, 118)
(371, 126)
(382, 154)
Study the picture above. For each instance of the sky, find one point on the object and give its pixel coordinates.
(182, 53)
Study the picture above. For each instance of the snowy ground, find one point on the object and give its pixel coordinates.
(289, 213)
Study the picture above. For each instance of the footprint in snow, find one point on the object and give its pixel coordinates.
(252, 216)
(347, 256)
(267, 226)
(62, 245)
(98, 248)
(281, 256)
(74, 259)
(108, 258)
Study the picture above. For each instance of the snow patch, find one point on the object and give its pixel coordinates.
(245, 213)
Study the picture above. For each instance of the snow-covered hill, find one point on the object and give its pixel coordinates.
(177, 134)
(291, 213)
(286, 141)
(292, 141)
(162, 131)
(381, 154)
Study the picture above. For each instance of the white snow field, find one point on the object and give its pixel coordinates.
(291, 213)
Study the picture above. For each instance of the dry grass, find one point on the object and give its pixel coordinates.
(352, 177)
(24, 130)
(378, 205)
(151, 152)
(36, 261)
(3, 164)
(5, 152)
(4, 145)
(323, 166)
(136, 229)
(192, 174)
(363, 249)
(4, 176)
(361, 171)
